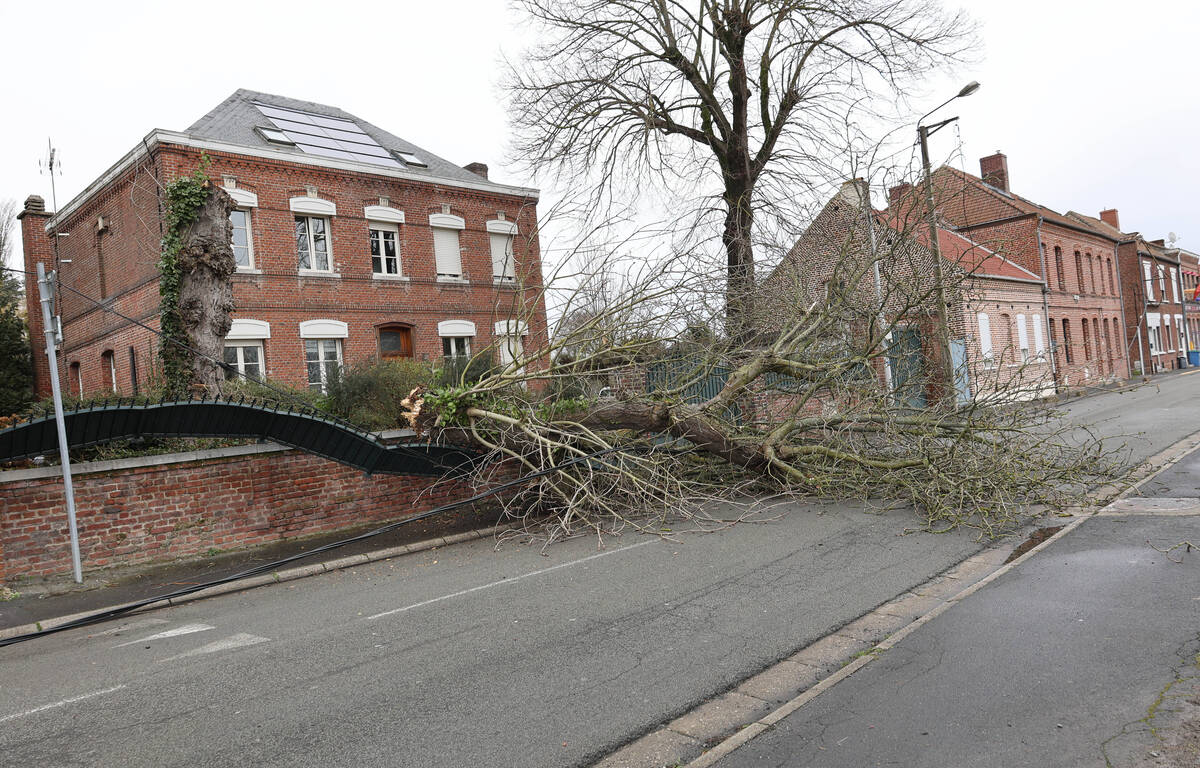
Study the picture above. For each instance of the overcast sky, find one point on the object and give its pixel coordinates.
(1095, 103)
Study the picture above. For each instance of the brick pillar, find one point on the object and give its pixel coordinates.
(38, 249)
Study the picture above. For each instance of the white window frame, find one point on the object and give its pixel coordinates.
(1022, 338)
(985, 340)
(385, 228)
(509, 335)
(1174, 281)
(240, 363)
(1162, 282)
(456, 341)
(504, 269)
(112, 367)
(311, 270)
(1147, 272)
(457, 330)
(446, 222)
(1039, 338)
(322, 384)
(249, 266)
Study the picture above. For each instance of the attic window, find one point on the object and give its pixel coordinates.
(275, 136)
(410, 159)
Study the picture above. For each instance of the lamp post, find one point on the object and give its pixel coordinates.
(923, 134)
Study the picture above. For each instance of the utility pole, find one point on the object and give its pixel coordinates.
(950, 391)
(46, 291)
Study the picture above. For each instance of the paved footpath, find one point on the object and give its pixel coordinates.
(1085, 654)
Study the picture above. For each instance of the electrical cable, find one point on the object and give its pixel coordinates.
(113, 613)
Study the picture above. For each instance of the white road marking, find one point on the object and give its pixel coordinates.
(186, 629)
(239, 640)
(130, 625)
(58, 704)
(502, 582)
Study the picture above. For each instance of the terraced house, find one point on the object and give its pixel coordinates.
(351, 244)
(1077, 263)
(1152, 284)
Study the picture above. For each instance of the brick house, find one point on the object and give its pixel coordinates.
(1152, 284)
(1189, 275)
(351, 244)
(994, 304)
(1076, 263)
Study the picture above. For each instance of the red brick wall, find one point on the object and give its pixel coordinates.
(1083, 295)
(151, 513)
(1138, 302)
(129, 253)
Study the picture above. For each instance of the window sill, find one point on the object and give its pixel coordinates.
(317, 273)
(445, 280)
(504, 282)
(391, 278)
(247, 271)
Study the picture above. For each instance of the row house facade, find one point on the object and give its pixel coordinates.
(995, 312)
(1189, 275)
(1082, 313)
(351, 244)
(1152, 285)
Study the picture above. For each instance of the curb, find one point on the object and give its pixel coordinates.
(847, 646)
(262, 580)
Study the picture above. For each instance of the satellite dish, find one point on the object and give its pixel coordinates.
(1172, 237)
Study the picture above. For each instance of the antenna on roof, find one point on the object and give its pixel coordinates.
(52, 166)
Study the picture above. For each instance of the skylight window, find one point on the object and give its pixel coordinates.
(411, 159)
(275, 137)
(325, 136)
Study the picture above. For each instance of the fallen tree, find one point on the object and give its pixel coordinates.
(674, 420)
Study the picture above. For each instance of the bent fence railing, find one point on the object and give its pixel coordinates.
(306, 430)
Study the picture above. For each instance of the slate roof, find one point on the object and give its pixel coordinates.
(235, 118)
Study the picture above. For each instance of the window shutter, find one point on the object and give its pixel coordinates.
(1149, 280)
(502, 255)
(1174, 279)
(985, 337)
(1022, 334)
(446, 252)
(1039, 340)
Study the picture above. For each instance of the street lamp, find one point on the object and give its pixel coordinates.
(923, 134)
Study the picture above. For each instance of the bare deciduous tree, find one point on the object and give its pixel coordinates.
(741, 100)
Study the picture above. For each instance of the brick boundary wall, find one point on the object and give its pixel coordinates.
(162, 507)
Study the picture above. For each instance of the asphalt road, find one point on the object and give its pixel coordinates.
(1087, 654)
(467, 656)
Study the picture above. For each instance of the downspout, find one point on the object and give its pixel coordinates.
(1141, 273)
(1046, 302)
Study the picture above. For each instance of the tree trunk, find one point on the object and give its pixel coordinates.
(206, 263)
(739, 254)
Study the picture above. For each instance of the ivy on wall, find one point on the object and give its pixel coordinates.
(183, 199)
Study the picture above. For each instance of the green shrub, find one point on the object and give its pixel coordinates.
(369, 393)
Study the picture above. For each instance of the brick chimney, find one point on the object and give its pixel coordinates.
(856, 192)
(1110, 218)
(899, 192)
(37, 248)
(479, 169)
(993, 169)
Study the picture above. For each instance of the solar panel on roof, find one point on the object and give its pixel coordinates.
(328, 136)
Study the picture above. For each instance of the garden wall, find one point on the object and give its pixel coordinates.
(151, 508)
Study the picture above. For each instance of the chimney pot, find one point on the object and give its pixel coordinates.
(479, 169)
(1110, 218)
(35, 203)
(993, 169)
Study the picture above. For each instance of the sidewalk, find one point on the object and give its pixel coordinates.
(1084, 654)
